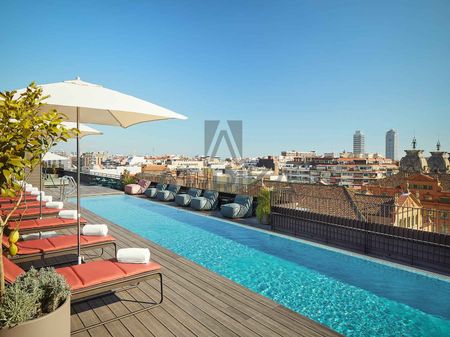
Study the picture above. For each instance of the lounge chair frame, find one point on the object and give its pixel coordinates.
(110, 287)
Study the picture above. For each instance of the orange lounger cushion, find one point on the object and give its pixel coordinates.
(29, 204)
(7, 200)
(11, 270)
(97, 272)
(32, 212)
(43, 223)
(56, 243)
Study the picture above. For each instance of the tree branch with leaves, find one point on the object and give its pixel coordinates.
(27, 131)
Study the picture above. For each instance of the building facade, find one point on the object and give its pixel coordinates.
(392, 144)
(359, 141)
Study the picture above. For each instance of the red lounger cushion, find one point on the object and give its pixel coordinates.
(32, 211)
(88, 274)
(97, 272)
(15, 199)
(46, 222)
(11, 270)
(56, 243)
(29, 204)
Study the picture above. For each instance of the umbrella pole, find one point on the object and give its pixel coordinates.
(78, 188)
(40, 187)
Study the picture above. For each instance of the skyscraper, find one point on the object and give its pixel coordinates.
(392, 144)
(358, 143)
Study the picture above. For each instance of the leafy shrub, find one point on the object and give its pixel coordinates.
(263, 208)
(32, 295)
(126, 178)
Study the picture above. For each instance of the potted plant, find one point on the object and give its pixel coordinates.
(263, 207)
(126, 178)
(36, 304)
(27, 133)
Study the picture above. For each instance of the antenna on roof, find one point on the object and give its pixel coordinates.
(438, 145)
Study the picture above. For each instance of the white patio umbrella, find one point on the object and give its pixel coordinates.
(84, 130)
(84, 102)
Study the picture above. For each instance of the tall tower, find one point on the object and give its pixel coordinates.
(392, 144)
(358, 143)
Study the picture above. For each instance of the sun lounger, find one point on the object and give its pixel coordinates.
(138, 188)
(208, 202)
(97, 278)
(184, 199)
(32, 213)
(242, 207)
(152, 191)
(168, 194)
(42, 225)
(6, 200)
(56, 246)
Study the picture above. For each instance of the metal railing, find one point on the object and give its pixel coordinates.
(67, 187)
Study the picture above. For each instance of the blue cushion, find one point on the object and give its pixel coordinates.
(183, 199)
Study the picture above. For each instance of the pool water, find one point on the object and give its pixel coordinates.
(352, 295)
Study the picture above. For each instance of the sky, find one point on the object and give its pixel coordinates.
(300, 75)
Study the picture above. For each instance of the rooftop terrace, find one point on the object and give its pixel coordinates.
(197, 302)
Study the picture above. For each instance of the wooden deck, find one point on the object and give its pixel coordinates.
(197, 302)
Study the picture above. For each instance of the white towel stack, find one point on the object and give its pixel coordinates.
(54, 204)
(133, 255)
(28, 188)
(44, 198)
(95, 230)
(68, 214)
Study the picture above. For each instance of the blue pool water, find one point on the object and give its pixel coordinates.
(352, 295)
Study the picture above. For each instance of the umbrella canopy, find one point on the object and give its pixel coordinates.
(50, 156)
(84, 102)
(83, 128)
(99, 105)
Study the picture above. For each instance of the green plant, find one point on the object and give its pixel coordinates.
(263, 208)
(126, 178)
(26, 133)
(33, 294)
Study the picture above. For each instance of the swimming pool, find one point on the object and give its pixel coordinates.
(352, 295)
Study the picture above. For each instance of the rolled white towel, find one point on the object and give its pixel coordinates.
(133, 255)
(33, 236)
(28, 187)
(35, 191)
(54, 204)
(40, 235)
(95, 230)
(45, 198)
(68, 214)
(48, 234)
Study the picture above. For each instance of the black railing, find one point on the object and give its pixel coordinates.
(418, 248)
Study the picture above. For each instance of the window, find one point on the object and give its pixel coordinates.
(444, 199)
(444, 215)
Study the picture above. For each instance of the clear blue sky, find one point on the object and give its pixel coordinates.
(300, 74)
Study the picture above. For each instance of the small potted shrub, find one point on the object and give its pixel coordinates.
(126, 178)
(36, 304)
(263, 207)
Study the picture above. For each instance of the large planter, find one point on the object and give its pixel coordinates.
(54, 324)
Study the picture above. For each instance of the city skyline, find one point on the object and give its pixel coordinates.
(299, 75)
